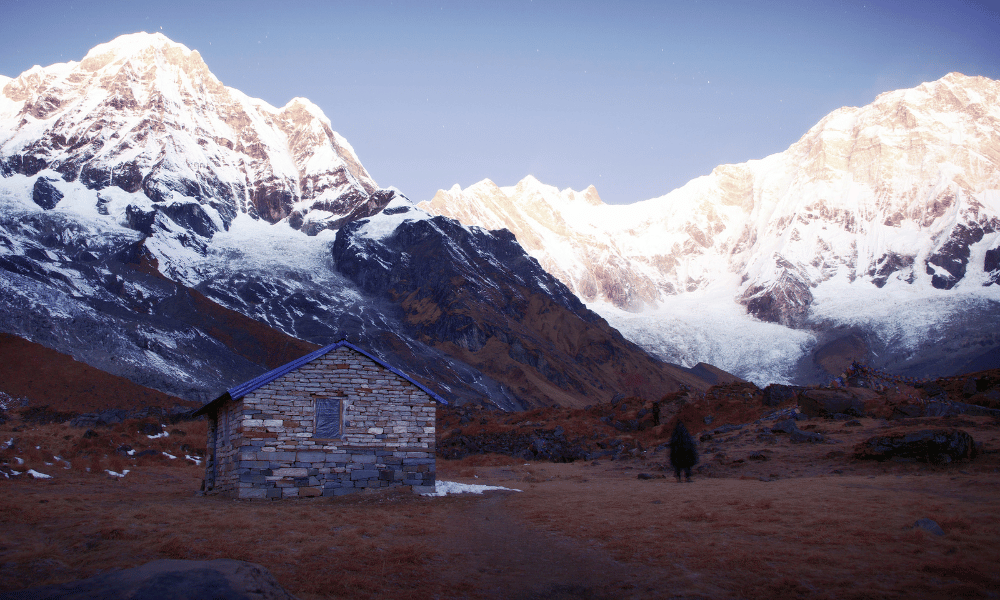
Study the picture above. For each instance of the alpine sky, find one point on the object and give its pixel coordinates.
(636, 98)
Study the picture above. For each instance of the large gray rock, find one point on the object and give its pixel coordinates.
(795, 434)
(826, 403)
(45, 194)
(928, 445)
(776, 393)
(220, 579)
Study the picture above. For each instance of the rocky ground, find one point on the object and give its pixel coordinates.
(781, 506)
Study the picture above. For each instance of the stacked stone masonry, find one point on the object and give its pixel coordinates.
(270, 449)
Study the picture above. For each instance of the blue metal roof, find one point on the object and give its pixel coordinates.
(241, 390)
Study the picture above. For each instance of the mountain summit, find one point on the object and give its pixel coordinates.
(165, 228)
(873, 216)
(143, 113)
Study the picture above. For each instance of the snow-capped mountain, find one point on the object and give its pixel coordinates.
(143, 113)
(884, 219)
(162, 227)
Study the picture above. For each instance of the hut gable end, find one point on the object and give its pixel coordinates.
(333, 422)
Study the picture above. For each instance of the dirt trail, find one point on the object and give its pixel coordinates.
(494, 551)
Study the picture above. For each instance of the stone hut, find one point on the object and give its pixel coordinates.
(336, 421)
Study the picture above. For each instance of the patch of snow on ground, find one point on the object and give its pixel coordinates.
(116, 474)
(38, 475)
(170, 456)
(162, 434)
(443, 488)
(194, 459)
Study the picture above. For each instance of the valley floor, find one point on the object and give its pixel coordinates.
(808, 521)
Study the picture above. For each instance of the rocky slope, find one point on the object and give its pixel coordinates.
(874, 205)
(477, 296)
(162, 227)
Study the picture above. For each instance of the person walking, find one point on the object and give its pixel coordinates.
(683, 452)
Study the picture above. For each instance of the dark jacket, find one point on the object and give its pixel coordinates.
(683, 451)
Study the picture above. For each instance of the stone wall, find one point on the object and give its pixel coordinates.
(387, 434)
(225, 435)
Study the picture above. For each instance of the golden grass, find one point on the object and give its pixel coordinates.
(597, 528)
(815, 537)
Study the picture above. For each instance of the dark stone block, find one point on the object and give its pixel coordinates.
(45, 194)
(825, 403)
(775, 394)
(929, 445)
(363, 474)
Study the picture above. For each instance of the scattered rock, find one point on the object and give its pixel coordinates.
(220, 579)
(41, 415)
(853, 423)
(928, 525)
(551, 445)
(794, 433)
(776, 394)
(758, 456)
(928, 445)
(823, 403)
(786, 426)
(150, 429)
(727, 428)
(800, 436)
(112, 416)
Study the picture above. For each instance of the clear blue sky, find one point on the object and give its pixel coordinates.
(636, 98)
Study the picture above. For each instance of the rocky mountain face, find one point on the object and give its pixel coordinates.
(902, 196)
(144, 114)
(162, 227)
(530, 327)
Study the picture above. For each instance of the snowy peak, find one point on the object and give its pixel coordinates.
(905, 190)
(144, 114)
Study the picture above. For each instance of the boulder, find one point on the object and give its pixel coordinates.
(45, 194)
(928, 445)
(800, 436)
(776, 394)
(220, 579)
(824, 403)
(794, 433)
(928, 525)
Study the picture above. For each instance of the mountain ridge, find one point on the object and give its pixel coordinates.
(171, 230)
(904, 191)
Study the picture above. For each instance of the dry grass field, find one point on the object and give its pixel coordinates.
(807, 522)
